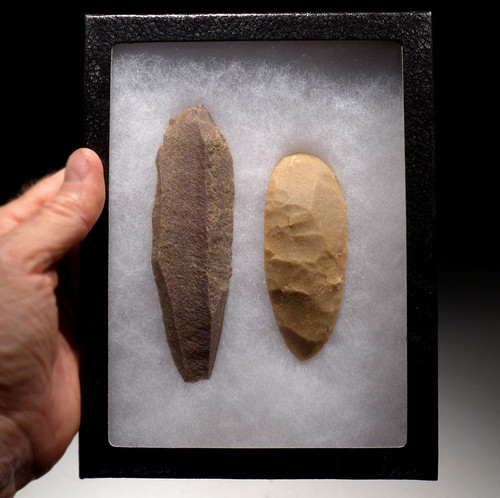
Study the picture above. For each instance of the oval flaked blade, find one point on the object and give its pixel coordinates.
(305, 251)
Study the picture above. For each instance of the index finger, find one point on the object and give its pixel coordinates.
(16, 211)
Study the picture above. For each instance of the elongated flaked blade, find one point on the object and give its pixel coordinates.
(192, 238)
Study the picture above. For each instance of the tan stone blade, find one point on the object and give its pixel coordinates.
(305, 251)
(192, 237)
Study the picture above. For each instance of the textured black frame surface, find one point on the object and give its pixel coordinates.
(418, 459)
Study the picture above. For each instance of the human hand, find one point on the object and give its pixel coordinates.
(39, 367)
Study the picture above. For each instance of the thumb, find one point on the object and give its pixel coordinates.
(65, 219)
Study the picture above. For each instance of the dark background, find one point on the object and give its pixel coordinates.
(42, 75)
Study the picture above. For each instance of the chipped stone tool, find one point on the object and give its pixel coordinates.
(305, 251)
(192, 236)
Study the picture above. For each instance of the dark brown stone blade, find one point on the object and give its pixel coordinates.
(192, 238)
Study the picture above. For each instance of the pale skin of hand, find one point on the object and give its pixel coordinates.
(39, 365)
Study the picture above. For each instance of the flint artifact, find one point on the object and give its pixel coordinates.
(192, 237)
(305, 251)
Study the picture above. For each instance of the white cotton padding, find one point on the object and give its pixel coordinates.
(342, 101)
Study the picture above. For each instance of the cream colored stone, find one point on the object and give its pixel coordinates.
(305, 251)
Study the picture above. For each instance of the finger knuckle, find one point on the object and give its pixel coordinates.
(68, 210)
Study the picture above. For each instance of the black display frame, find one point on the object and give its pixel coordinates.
(418, 458)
